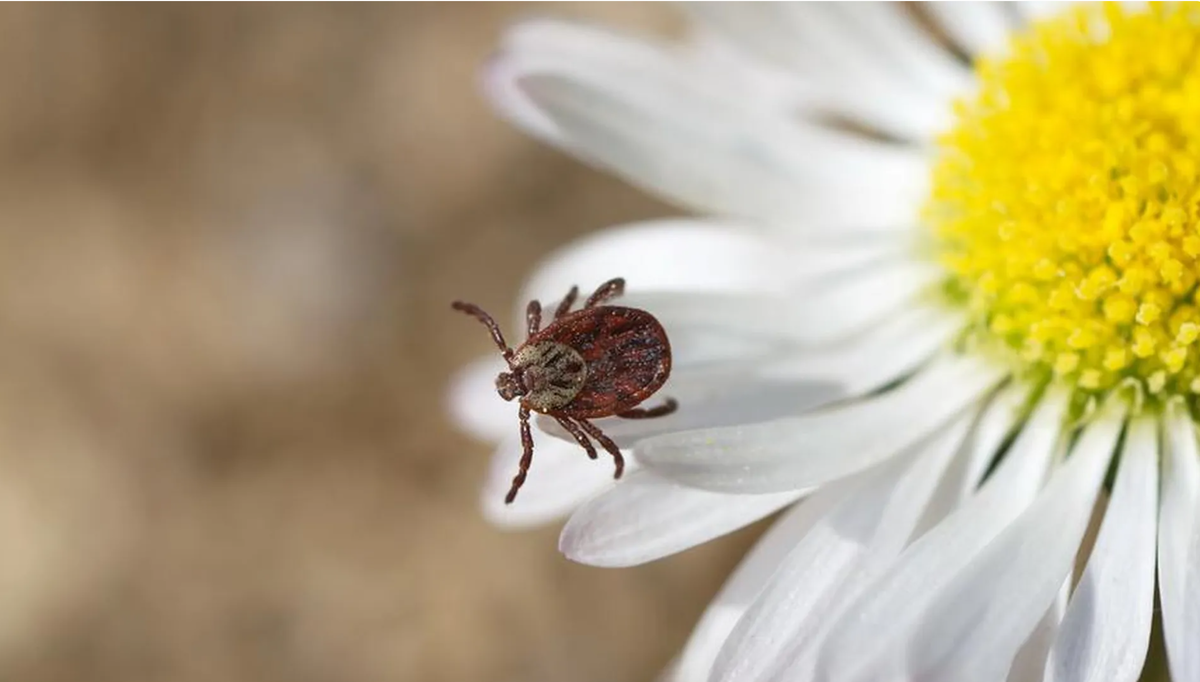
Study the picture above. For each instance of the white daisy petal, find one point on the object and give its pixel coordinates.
(707, 329)
(808, 450)
(536, 45)
(977, 27)
(560, 479)
(700, 350)
(681, 254)
(501, 85)
(1106, 630)
(474, 403)
(806, 260)
(1178, 560)
(975, 626)
(647, 518)
(861, 534)
(996, 422)
(769, 86)
(820, 316)
(817, 258)
(831, 313)
(897, 39)
(792, 383)
(871, 629)
(747, 581)
(1191, 605)
(884, 353)
(723, 400)
(590, 45)
(1029, 664)
(623, 63)
(823, 45)
(766, 317)
(701, 347)
(709, 153)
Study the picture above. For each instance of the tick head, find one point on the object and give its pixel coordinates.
(509, 385)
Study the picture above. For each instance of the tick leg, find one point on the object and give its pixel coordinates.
(565, 306)
(580, 436)
(611, 288)
(607, 444)
(526, 456)
(649, 413)
(533, 317)
(475, 311)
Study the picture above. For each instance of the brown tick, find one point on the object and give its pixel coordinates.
(599, 361)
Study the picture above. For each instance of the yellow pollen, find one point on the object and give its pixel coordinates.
(1066, 201)
(1188, 331)
(1148, 313)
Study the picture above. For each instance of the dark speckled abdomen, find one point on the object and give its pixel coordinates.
(627, 353)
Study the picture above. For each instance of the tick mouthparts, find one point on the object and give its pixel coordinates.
(508, 385)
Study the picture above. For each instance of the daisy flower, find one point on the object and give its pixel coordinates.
(939, 288)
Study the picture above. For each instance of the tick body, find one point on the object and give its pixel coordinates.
(598, 361)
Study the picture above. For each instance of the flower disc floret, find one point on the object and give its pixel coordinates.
(1066, 201)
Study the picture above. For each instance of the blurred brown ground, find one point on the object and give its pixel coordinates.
(228, 236)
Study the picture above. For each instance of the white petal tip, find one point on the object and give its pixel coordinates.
(500, 82)
(574, 545)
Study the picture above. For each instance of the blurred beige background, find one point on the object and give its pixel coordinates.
(228, 240)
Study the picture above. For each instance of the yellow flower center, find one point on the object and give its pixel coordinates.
(1066, 203)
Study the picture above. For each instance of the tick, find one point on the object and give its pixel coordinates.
(598, 361)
